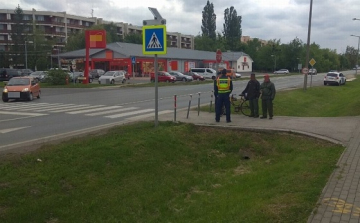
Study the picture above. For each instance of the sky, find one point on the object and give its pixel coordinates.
(331, 27)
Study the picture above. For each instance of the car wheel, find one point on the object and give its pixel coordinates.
(5, 99)
(30, 97)
(99, 82)
(167, 81)
(325, 83)
(123, 81)
(184, 79)
(90, 80)
(112, 82)
(38, 96)
(344, 82)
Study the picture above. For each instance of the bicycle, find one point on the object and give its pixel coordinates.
(240, 104)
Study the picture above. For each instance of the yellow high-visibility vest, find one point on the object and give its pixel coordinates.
(223, 85)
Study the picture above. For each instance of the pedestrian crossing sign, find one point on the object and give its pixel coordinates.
(154, 39)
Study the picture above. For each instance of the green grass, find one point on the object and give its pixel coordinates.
(174, 173)
(320, 101)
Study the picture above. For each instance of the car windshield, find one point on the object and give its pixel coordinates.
(332, 75)
(36, 73)
(109, 73)
(166, 74)
(18, 82)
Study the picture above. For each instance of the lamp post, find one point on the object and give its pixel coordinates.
(58, 57)
(26, 53)
(272, 55)
(357, 54)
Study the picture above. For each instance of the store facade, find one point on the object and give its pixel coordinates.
(129, 57)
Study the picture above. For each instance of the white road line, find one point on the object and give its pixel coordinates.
(21, 113)
(12, 129)
(113, 111)
(93, 110)
(129, 113)
(78, 108)
(148, 115)
(61, 107)
(26, 107)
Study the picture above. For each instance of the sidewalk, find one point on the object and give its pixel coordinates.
(340, 199)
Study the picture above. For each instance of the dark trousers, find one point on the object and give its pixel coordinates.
(254, 107)
(222, 100)
(267, 106)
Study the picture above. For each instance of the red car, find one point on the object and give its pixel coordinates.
(163, 77)
(196, 76)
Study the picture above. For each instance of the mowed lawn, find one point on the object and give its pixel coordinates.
(173, 173)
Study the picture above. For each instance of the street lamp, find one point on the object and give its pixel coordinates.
(357, 54)
(58, 57)
(26, 53)
(272, 55)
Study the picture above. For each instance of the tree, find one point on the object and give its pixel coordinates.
(133, 38)
(18, 39)
(232, 28)
(208, 26)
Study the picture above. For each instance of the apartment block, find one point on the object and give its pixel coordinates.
(59, 26)
(245, 39)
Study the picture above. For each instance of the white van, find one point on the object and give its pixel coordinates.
(208, 73)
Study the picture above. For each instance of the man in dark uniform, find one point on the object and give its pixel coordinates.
(252, 92)
(268, 92)
(222, 88)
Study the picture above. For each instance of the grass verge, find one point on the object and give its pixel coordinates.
(320, 101)
(174, 173)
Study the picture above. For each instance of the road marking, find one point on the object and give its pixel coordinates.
(92, 110)
(148, 115)
(12, 129)
(113, 111)
(27, 106)
(129, 113)
(21, 113)
(77, 108)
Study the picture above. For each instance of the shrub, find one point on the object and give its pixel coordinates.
(57, 77)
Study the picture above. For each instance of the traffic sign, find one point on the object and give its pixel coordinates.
(133, 60)
(312, 62)
(304, 70)
(218, 56)
(154, 39)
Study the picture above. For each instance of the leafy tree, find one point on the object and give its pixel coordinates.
(207, 44)
(232, 28)
(133, 38)
(208, 26)
(351, 55)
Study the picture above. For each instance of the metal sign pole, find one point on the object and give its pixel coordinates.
(156, 90)
(312, 73)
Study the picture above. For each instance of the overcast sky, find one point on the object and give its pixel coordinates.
(331, 27)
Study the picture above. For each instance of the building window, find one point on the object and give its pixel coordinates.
(26, 17)
(67, 21)
(2, 48)
(2, 27)
(40, 18)
(2, 37)
(58, 19)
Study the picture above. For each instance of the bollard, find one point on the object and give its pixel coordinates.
(199, 103)
(212, 94)
(187, 116)
(175, 108)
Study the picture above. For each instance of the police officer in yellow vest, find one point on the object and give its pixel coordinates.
(222, 88)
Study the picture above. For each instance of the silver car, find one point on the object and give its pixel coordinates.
(112, 77)
(282, 71)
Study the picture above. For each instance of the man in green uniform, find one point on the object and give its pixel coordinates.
(252, 92)
(268, 92)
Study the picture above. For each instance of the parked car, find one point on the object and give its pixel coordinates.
(127, 75)
(197, 76)
(238, 75)
(312, 71)
(7, 73)
(180, 76)
(26, 72)
(334, 78)
(21, 88)
(162, 77)
(80, 77)
(96, 73)
(39, 75)
(205, 72)
(282, 71)
(112, 77)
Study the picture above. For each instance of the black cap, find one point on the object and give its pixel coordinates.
(223, 71)
(253, 74)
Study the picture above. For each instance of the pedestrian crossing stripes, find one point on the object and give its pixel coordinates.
(111, 112)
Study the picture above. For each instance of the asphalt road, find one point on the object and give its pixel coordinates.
(67, 113)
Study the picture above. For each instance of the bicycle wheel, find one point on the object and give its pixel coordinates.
(236, 102)
(245, 108)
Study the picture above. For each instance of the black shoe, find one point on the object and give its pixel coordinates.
(251, 116)
(217, 120)
(256, 116)
(263, 117)
(228, 121)
(270, 117)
